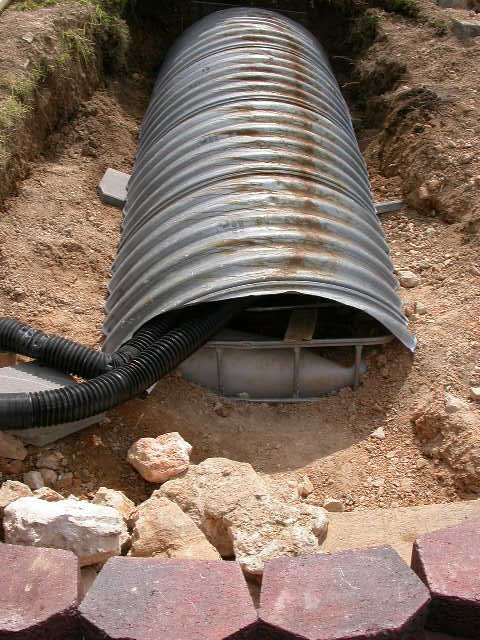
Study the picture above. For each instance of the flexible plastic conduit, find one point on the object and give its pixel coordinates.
(76, 402)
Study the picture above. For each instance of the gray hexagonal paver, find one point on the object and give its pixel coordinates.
(360, 594)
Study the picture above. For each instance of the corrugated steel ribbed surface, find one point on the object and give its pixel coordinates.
(248, 181)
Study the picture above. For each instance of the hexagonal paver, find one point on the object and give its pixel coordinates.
(148, 599)
(39, 593)
(362, 594)
(448, 562)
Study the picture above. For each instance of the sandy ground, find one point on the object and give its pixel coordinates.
(57, 242)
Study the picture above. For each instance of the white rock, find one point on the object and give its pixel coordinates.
(49, 477)
(454, 404)
(11, 447)
(420, 308)
(92, 532)
(475, 393)
(10, 491)
(241, 517)
(34, 479)
(379, 433)
(408, 279)
(115, 499)
(162, 458)
(334, 505)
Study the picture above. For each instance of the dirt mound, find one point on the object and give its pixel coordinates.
(453, 438)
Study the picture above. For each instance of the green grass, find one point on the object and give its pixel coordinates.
(10, 111)
(76, 41)
(31, 5)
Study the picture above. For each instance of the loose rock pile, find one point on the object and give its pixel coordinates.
(218, 508)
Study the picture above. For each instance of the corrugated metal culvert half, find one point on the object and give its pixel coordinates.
(248, 181)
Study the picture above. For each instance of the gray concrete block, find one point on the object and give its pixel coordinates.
(33, 377)
(466, 29)
(113, 188)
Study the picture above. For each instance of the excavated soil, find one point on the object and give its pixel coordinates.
(57, 242)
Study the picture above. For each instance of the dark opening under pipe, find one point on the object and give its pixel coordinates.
(79, 401)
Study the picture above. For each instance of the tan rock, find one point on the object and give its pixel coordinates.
(161, 529)
(241, 517)
(49, 476)
(158, 459)
(50, 460)
(11, 447)
(305, 487)
(10, 491)
(12, 467)
(333, 505)
(45, 493)
(115, 499)
(34, 479)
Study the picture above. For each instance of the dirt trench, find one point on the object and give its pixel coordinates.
(57, 242)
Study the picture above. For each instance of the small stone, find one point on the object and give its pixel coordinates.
(221, 410)
(28, 37)
(45, 493)
(420, 309)
(305, 487)
(474, 270)
(475, 393)
(379, 434)
(10, 491)
(162, 530)
(115, 499)
(34, 479)
(408, 279)
(11, 447)
(92, 532)
(159, 459)
(49, 476)
(50, 460)
(334, 505)
(454, 404)
(378, 482)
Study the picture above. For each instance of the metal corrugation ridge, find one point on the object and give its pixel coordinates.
(248, 181)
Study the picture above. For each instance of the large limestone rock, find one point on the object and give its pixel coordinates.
(93, 532)
(161, 529)
(158, 459)
(241, 517)
(115, 499)
(10, 491)
(452, 437)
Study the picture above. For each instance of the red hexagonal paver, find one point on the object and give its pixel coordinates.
(360, 594)
(38, 594)
(149, 599)
(448, 562)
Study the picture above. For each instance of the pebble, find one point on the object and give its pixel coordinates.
(420, 308)
(159, 459)
(33, 479)
(379, 434)
(50, 460)
(408, 279)
(475, 393)
(334, 505)
(305, 487)
(28, 37)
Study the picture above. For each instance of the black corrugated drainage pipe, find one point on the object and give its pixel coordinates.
(76, 402)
